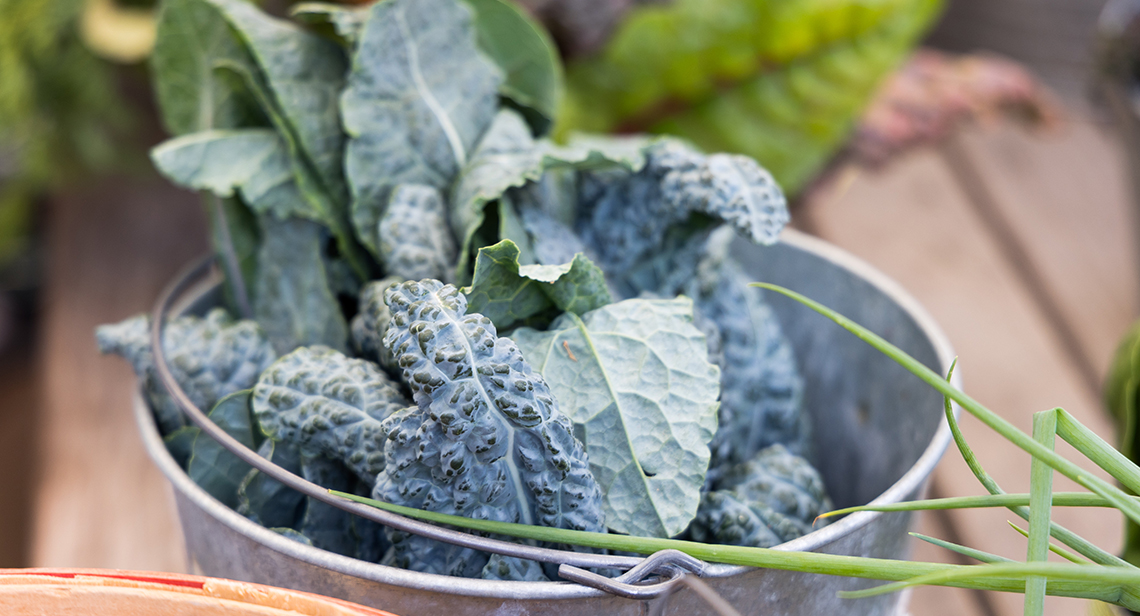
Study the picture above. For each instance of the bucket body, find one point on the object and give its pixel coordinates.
(878, 433)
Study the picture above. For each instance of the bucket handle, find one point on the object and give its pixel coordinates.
(667, 568)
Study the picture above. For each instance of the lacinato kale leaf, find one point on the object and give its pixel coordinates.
(772, 498)
(210, 358)
(293, 300)
(413, 237)
(486, 439)
(371, 321)
(625, 217)
(252, 161)
(212, 466)
(419, 95)
(266, 500)
(323, 401)
(331, 528)
(635, 379)
(508, 293)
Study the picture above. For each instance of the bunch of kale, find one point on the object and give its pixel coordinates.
(384, 210)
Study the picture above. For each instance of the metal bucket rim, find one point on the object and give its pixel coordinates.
(907, 483)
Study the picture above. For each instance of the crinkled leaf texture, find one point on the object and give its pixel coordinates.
(509, 293)
(773, 498)
(413, 237)
(212, 466)
(294, 301)
(509, 157)
(210, 358)
(323, 401)
(625, 217)
(371, 321)
(635, 379)
(486, 439)
(419, 95)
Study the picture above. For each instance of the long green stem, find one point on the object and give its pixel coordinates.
(985, 557)
(1060, 499)
(1059, 551)
(1040, 510)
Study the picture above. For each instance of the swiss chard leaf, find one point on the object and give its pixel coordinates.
(635, 379)
(508, 293)
(212, 466)
(486, 439)
(419, 95)
(320, 400)
(210, 358)
(293, 301)
(414, 239)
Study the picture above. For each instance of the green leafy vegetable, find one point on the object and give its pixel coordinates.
(336, 21)
(772, 498)
(419, 96)
(527, 56)
(293, 300)
(414, 240)
(635, 379)
(486, 439)
(1120, 396)
(509, 293)
(320, 400)
(212, 466)
(210, 358)
(371, 322)
(268, 501)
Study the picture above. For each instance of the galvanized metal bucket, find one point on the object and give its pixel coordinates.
(878, 432)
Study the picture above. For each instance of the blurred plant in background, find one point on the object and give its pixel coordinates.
(780, 80)
(61, 114)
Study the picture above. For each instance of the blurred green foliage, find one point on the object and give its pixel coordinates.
(59, 109)
(780, 80)
(1121, 396)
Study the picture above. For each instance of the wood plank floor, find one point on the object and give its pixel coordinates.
(1019, 244)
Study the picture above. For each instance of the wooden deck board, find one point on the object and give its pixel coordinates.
(101, 502)
(914, 222)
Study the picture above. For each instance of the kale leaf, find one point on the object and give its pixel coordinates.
(293, 300)
(371, 321)
(509, 293)
(210, 358)
(635, 379)
(772, 498)
(419, 96)
(486, 439)
(267, 501)
(413, 238)
(323, 401)
(212, 466)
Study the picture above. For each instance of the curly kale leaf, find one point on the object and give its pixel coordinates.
(626, 217)
(322, 401)
(371, 321)
(509, 157)
(210, 358)
(293, 301)
(419, 96)
(771, 499)
(635, 379)
(212, 466)
(508, 293)
(267, 501)
(413, 238)
(486, 439)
